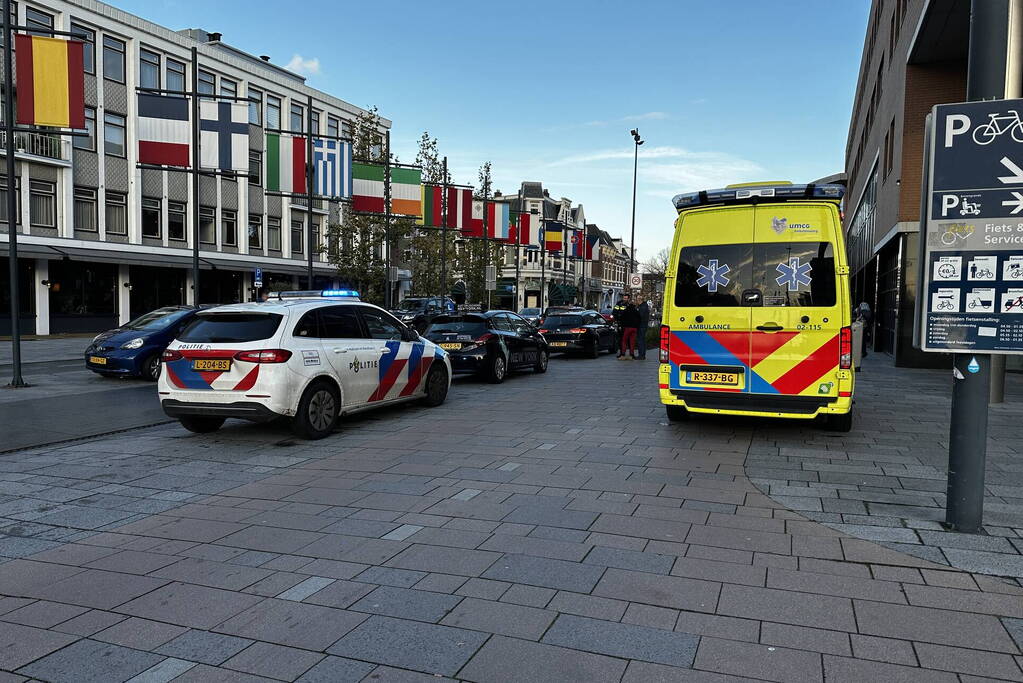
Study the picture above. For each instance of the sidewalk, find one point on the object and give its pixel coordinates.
(44, 349)
(553, 528)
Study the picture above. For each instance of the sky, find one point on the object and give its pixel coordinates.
(721, 92)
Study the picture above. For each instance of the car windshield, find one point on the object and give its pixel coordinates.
(530, 311)
(458, 325)
(411, 305)
(160, 319)
(228, 328)
(563, 321)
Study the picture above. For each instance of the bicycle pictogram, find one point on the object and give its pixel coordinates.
(956, 231)
(999, 124)
(1013, 303)
(983, 273)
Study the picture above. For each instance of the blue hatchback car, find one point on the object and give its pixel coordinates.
(134, 349)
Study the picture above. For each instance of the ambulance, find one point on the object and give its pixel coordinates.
(757, 309)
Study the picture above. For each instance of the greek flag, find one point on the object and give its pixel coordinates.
(332, 168)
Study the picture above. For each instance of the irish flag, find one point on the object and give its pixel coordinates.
(368, 187)
(285, 163)
(406, 195)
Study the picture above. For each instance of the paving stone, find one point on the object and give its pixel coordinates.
(340, 594)
(827, 584)
(653, 589)
(758, 661)
(441, 583)
(506, 619)
(407, 604)
(883, 649)
(20, 645)
(630, 559)
(933, 626)
(203, 673)
(88, 661)
(274, 661)
(455, 538)
(549, 516)
(845, 670)
(801, 609)
(531, 596)
(89, 623)
(292, 623)
(430, 558)
(483, 588)
(537, 547)
(588, 606)
(43, 614)
(717, 625)
(337, 670)
(726, 572)
(408, 644)
(623, 640)
(165, 671)
(100, 589)
(803, 638)
(513, 660)
(403, 578)
(133, 562)
(642, 527)
(140, 634)
(548, 573)
(303, 590)
(999, 564)
(204, 646)
(188, 605)
(945, 658)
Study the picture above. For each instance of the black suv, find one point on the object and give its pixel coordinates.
(419, 312)
(490, 344)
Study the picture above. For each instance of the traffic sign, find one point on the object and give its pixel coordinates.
(971, 263)
(257, 278)
(635, 280)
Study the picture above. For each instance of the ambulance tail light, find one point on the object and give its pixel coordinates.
(845, 348)
(665, 340)
(170, 355)
(263, 356)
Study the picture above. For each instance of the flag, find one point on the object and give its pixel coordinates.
(406, 195)
(224, 135)
(368, 187)
(164, 130)
(332, 168)
(591, 241)
(554, 235)
(475, 227)
(51, 82)
(285, 163)
(459, 207)
(433, 205)
(498, 220)
(577, 244)
(519, 231)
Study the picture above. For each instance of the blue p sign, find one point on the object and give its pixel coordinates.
(257, 278)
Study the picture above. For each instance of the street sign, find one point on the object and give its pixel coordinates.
(470, 308)
(257, 278)
(972, 251)
(635, 280)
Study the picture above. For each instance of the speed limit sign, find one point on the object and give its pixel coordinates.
(635, 280)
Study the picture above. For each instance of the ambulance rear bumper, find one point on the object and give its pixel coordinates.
(767, 404)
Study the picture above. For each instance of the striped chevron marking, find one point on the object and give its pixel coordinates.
(402, 369)
(238, 378)
(767, 359)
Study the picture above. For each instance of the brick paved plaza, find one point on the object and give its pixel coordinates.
(554, 528)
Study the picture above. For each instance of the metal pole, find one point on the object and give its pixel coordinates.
(309, 188)
(486, 239)
(585, 246)
(632, 240)
(971, 385)
(543, 260)
(12, 201)
(387, 219)
(518, 244)
(195, 176)
(444, 232)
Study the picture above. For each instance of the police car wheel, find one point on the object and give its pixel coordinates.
(201, 425)
(317, 411)
(436, 387)
(541, 362)
(498, 369)
(676, 413)
(151, 368)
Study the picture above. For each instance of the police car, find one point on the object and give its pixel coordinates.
(307, 356)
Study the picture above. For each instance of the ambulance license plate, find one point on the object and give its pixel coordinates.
(726, 378)
(97, 360)
(212, 364)
(451, 346)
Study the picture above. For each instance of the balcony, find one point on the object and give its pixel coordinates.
(44, 145)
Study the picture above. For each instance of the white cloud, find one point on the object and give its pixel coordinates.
(301, 65)
(649, 116)
(626, 153)
(716, 170)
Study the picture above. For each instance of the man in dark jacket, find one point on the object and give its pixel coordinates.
(643, 308)
(628, 319)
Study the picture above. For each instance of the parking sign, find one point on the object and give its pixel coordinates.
(257, 278)
(971, 298)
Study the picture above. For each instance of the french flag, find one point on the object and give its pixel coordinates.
(164, 130)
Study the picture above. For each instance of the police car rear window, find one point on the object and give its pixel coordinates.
(228, 328)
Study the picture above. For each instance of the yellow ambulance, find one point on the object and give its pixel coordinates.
(757, 310)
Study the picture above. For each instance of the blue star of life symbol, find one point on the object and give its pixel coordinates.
(712, 275)
(794, 274)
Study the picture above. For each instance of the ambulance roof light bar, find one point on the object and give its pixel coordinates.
(754, 192)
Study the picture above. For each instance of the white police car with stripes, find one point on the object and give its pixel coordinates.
(307, 356)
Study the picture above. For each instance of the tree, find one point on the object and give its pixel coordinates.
(477, 254)
(432, 262)
(656, 265)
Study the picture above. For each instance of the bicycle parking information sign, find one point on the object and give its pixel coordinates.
(972, 251)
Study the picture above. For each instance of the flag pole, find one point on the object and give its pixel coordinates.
(543, 260)
(17, 381)
(444, 232)
(387, 219)
(195, 176)
(309, 188)
(585, 246)
(486, 243)
(518, 244)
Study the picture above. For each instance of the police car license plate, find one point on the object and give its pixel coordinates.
(559, 343)
(451, 346)
(97, 360)
(726, 378)
(212, 364)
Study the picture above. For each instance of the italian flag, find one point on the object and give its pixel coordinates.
(406, 195)
(285, 163)
(368, 187)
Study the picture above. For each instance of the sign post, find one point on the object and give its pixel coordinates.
(971, 296)
(635, 281)
(257, 278)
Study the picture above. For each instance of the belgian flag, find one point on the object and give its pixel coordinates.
(51, 82)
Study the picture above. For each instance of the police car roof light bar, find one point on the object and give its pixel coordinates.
(316, 294)
(754, 194)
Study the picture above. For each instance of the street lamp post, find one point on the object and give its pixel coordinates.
(635, 168)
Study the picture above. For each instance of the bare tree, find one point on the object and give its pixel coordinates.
(656, 265)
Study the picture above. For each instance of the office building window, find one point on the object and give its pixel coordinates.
(228, 87)
(113, 59)
(255, 232)
(88, 36)
(207, 225)
(229, 225)
(175, 75)
(316, 122)
(85, 209)
(255, 167)
(87, 143)
(42, 207)
(14, 19)
(207, 83)
(273, 233)
(255, 106)
(297, 117)
(316, 237)
(39, 20)
(273, 112)
(297, 237)
(333, 126)
(176, 221)
(114, 134)
(117, 213)
(151, 209)
(149, 69)
(3, 198)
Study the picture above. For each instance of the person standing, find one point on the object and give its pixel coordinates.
(643, 308)
(629, 321)
(616, 317)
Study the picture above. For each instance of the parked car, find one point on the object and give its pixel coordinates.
(531, 315)
(133, 350)
(579, 332)
(489, 344)
(607, 313)
(419, 312)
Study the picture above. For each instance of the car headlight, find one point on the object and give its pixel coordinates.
(135, 343)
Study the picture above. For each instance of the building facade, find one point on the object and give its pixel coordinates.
(100, 240)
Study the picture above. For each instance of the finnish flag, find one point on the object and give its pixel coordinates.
(332, 168)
